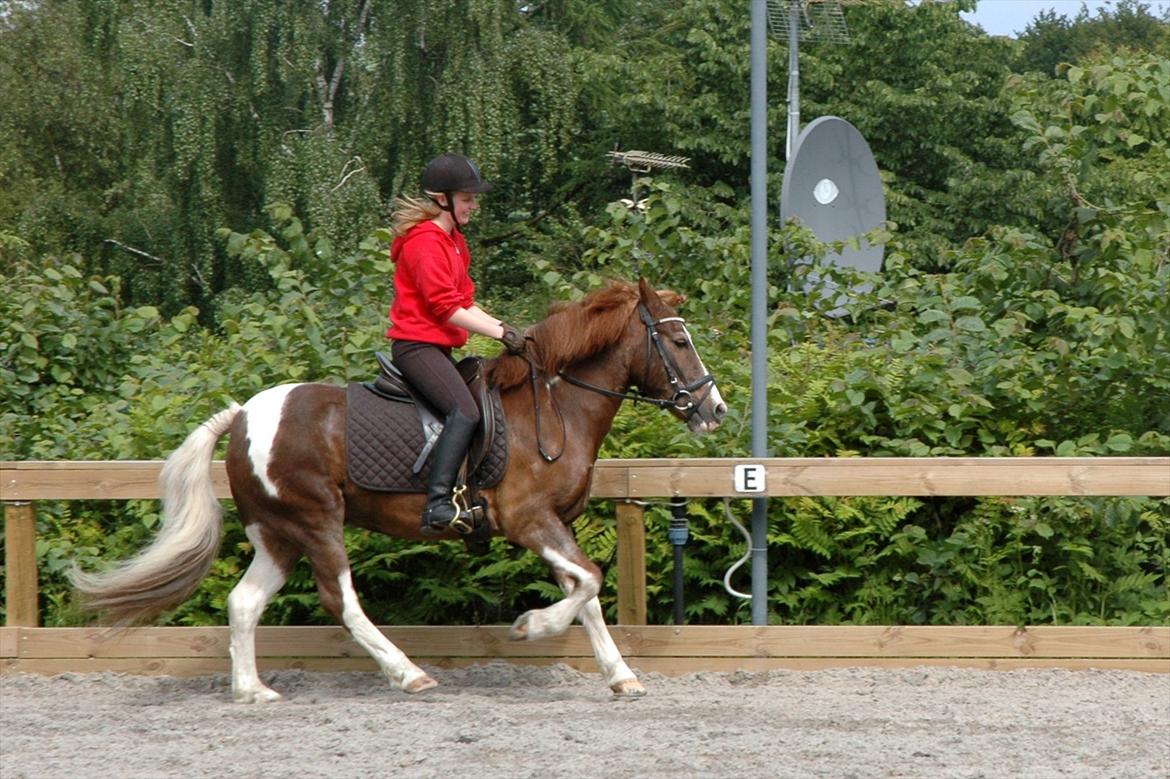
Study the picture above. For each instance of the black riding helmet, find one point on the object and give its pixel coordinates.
(451, 173)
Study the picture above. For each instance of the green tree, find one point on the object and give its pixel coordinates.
(172, 120)
(58, 139)
(1052, 38)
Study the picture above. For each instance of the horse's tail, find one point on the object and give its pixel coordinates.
(164, 574)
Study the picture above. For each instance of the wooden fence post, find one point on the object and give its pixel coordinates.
(20, 564)
(631, 560)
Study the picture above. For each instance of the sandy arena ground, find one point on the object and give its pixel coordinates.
(499, 720)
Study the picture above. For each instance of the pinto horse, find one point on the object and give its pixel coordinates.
(286, 464)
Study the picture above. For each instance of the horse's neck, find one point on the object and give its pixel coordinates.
(590, 414)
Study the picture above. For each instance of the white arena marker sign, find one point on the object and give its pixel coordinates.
(750, 478)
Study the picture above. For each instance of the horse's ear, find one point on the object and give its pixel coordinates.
(667, 296)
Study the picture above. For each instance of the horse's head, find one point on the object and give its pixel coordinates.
(616, 338)
(670, 369)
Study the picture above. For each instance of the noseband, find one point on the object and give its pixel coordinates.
(683, 398)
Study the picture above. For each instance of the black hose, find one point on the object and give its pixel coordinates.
(678, 534)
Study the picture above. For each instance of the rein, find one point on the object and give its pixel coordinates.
(682, 399)
(548, 458)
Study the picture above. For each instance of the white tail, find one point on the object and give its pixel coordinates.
(165, 573)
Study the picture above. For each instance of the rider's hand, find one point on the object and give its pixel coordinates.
(513, 339)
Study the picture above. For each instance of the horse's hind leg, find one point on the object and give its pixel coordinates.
(265, 576)
(335, 585)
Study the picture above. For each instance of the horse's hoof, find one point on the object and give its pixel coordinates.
(422, 683)
(263, 695)
(519, 629)
(628, 688)
(524, 628)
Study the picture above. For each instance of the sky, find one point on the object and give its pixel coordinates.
(1011, 17)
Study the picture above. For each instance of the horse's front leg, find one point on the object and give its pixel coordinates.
(580, 579)
(613, 666)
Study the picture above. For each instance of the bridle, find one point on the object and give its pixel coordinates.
(682, 399)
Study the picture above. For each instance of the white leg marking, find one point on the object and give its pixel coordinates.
(613, 667)
(553, 620)
(396, 665)
(263, 417)
(245, 605)
(609, 660)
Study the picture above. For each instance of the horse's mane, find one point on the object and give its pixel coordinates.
(571, 332)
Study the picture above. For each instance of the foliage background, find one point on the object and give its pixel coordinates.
(192, 207)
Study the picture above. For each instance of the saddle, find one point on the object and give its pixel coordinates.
(391, 430)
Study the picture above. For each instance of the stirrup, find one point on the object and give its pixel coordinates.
(463, 512)
(463, 521)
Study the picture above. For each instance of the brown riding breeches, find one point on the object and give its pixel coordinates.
(431, 371)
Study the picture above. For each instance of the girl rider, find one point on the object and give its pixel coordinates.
(433, 311)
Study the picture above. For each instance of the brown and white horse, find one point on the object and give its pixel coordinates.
(286, 463)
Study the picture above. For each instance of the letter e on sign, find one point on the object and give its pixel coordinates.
(750, 478)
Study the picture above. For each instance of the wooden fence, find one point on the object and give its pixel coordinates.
(668, 649)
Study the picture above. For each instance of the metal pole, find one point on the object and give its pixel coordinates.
(759, 193)
(793, 79)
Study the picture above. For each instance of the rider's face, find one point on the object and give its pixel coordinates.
(465, 205)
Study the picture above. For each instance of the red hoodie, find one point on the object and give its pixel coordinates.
(431, 281)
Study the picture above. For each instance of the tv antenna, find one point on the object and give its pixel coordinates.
(832, 186)
(815, 21)
(641, 162)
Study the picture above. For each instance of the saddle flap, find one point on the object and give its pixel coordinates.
(471, 370)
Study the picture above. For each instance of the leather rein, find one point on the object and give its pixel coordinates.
(683, 398)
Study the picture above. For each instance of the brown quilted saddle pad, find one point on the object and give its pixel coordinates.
(385, 437)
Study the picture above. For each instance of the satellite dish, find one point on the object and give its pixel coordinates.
(832, 186)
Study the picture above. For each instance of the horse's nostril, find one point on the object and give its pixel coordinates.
(720, 411)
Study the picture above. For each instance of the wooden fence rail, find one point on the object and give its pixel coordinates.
(667, 649)
(21, 483)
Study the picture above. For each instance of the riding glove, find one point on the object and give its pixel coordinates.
(513, 339)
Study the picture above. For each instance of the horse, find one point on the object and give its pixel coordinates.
(286, 465)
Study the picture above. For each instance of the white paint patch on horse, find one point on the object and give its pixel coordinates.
(245, 605)
(716, 398)
(263, 418)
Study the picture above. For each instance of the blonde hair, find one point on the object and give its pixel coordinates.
(409, 211)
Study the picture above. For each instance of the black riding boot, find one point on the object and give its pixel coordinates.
(446, 458)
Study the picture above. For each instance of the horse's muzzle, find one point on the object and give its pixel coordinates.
(708, 415)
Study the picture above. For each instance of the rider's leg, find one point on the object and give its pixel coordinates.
(430, 370)
(446, 458)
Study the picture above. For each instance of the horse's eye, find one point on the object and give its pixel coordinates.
(681, 342)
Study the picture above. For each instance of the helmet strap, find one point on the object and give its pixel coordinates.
(449, 206)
